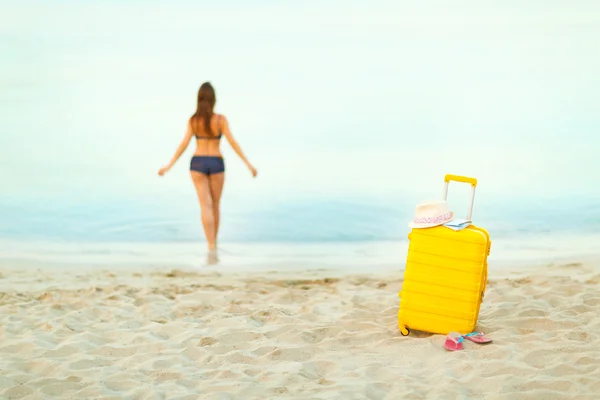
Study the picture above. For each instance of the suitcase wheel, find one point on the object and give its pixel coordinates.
(404, 331)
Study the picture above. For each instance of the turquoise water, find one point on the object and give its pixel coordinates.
(301, 222)
(308, 235)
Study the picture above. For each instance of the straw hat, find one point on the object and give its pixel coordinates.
(431, 213)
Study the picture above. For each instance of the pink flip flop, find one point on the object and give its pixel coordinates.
(478, 337)
(454, 341)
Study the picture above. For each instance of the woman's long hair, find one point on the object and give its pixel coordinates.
(205, 107)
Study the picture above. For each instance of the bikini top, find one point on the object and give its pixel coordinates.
(209, 137)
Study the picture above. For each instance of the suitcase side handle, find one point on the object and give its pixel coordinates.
(463, 179)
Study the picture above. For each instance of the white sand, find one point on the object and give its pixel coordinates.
(100, 334)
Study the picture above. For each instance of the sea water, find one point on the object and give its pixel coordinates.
(330, 235)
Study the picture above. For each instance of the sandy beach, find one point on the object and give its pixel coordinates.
(98, 333)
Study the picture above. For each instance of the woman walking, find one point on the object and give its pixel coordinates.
(207, 168)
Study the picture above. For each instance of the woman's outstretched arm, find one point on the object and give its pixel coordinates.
(234, 144)
(180, 149)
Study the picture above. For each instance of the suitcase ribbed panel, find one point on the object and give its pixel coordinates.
(444, 279)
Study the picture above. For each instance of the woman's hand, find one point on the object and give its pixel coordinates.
(253, 171)
(164, 170)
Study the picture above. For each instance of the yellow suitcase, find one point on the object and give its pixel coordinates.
(445, 275)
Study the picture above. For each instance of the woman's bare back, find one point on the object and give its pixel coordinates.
(208, 144)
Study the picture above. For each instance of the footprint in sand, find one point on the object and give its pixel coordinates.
(38, 367)
(581, 309)
(298, 354)
(237, 357)
(59, 388)
(317, 335)
(540, 358)
(579, 336)
(239, 337)
(17, 392)
(207, 341)
(89, 364)
(190, 384)
(497, 369)
(594, 387)
(376, 391)
(533, 312)
(560, 386)
(162, 376)
(587, 360)
(357, 339)
(226, 374)
(592, 301)
(317, 369)
(593, 280)
(555, 301)
(261, 351)
(61, 352)
(116, 352)
(24, 348)
(120, 385)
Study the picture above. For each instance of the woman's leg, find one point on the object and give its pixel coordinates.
(202, 185)
(216, 182)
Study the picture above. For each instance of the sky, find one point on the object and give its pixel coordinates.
(367, 101)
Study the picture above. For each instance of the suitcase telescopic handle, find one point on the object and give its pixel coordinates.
(463, 179)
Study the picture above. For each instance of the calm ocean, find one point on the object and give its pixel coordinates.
(326, 234)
